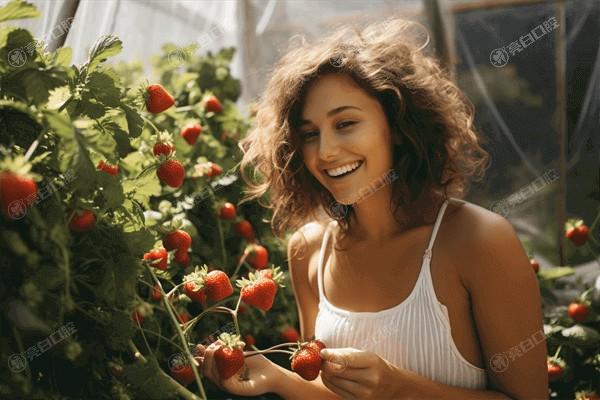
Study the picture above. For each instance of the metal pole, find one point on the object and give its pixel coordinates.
(561, 122)
(62, 25)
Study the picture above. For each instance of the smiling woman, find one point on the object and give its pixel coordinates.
(363, 128)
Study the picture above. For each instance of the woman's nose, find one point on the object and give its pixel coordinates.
(328, 146)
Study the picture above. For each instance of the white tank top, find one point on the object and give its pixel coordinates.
(413, 335)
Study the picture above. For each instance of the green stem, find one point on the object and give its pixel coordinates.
(150, 123)
(221, 237)
(158, 335)
(271, 351)
(175, 322)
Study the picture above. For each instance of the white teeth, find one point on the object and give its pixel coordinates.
(343, 169)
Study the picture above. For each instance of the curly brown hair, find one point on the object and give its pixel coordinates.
(439, 152)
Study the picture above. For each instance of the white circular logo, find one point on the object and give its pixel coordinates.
(17, 362)
(17, 58)
(499, 362)
(177, 362)
(500, 207)
(499, 57)
(178, 57)
(17, 209)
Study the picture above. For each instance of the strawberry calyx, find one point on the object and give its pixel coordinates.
(197, 276)
(232, 341)
(276, 276)
(572, 223)
(18, 165)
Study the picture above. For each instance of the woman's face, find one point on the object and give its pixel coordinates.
(346, 140)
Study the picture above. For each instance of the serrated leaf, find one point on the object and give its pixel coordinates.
(38, 83)
(148, 380)
(135, 123)
(58, 97)
(18, 9)
(142, 188)
(103, 86)
(106, 46)
(62, 57)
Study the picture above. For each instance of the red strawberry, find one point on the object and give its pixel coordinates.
(266, 273)
(195, 292)
(108, 168)
(316, 345)
(245, 230)
(178, 239)
(555, 371)
(17, 192)
(249, 340)
(183, 374)
(182, 257)
(171, 172)
(289, 334)
(229, 357)
(137, 317)
(227, 211)
(158, 99)
(213, 104)
(258, 256)
(158, 254)
(218, 286)
(190, 132)
(260, 293)
(578, 311)
(162, 148)
(156, 294)
(82, 221)
(535, 265)
(214, 169)
(578, 234)
(307, 363)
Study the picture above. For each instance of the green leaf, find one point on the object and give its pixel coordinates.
(135, 123)
(63, 56)
(106, 46)
(18, 124)
(103, 86)
(555, 272)
(38, 83)
(148, 380)
(143, 187)
(18, 9)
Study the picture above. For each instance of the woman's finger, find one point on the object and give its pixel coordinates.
(336, 389)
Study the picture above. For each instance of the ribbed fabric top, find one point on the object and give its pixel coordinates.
(413, 335)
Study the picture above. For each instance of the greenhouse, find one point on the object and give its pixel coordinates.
(285, 199)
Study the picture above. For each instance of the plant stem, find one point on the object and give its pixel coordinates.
(270, 351)
(220, 228)
(150, 123)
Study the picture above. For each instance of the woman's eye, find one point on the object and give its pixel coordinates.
(308, 135)
(345, 124)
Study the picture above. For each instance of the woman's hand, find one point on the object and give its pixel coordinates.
(356, 374)
(260, 372)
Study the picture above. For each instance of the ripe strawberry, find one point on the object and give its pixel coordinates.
(555, 371)
(227, 211)
(178, 239)
(17, 192)
(162, 148)
(213, 104)
(156, 294)
(183, 374)
(182, 257)
(229, 357)
(578, 234)
(195, 292)
(190, 132)
(306, 362)
(260, 293)
(578, 311)
(218, 286)
(258, 256)
(213, 169)
(535, 265)
(289, 334)
(316, 345)
(249, 340)
(245, 230)
(82, 221)
(137, 317)
(158, 254)
(158, 99)
(171, 173)
(108, 168)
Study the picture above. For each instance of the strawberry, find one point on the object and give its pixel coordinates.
(227, 211)
(156, 294)
(218, 286)
(258, 256)
(535, 265)
(182, 257)
(249, 340)
(158, 254)
(229, 357)
(213, 169)
(162, 148)
(137, 317)
(555, 371)
(177, 240)
(213, 104)
(578, 311)
(259, 291)
(190, 132)
(576, 231)
(316, 344)
(82, 221)
(158, 99)
(17, 192)
(108, 168)
(183, 374)
(195, 292)
(289, 334)
(266, 273)
(306, 362)
(245, 230)
(171, 173)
